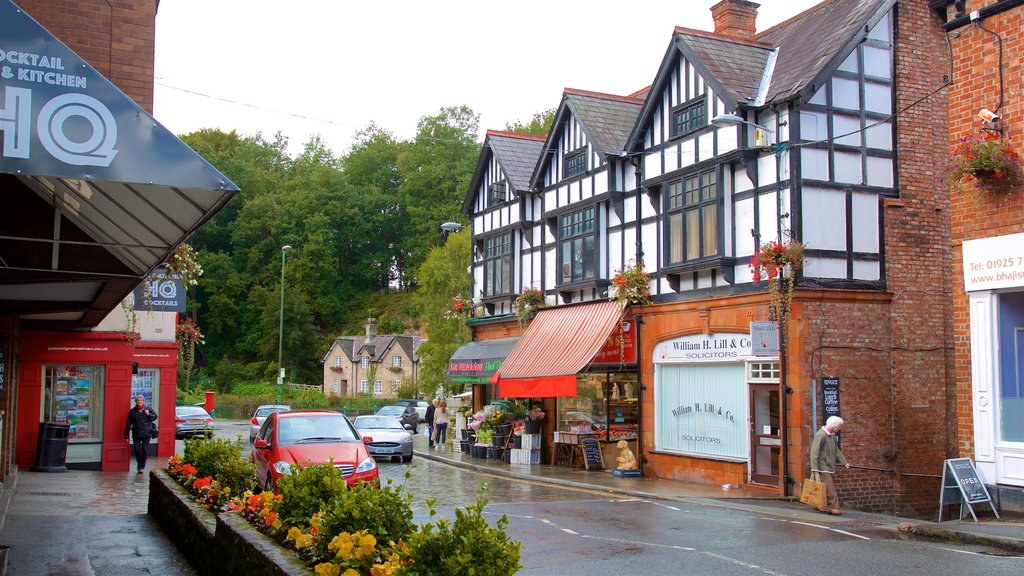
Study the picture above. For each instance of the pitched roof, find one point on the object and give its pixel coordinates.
(516, 154)
(737, 66)
(814, 42)
(353, 346)
(606, 119)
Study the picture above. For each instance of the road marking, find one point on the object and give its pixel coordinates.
(639, 543)
(662, 505)
(849, 534)
(742, 563)
(567, 531)
(961, 551)
(830, 529)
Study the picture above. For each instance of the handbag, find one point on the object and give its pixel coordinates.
(813, 493)
(154, 430)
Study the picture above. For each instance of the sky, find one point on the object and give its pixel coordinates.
(331, 67)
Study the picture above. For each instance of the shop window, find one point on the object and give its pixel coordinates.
(1011, 361)
(578, 245)
(605, 404)
(701, 409)
(74, 394)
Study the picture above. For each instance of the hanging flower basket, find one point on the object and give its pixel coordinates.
(459, 307)
(529, 301)
(984, 159)
(632, 285)
(773, 261)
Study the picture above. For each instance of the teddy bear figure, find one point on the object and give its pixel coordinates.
(626, 459)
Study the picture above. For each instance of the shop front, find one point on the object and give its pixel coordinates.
(579, 364)
(474, 365)
(994, 284)
(88, 381)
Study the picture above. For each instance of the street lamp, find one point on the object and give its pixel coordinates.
(280, 328)
(449, 227)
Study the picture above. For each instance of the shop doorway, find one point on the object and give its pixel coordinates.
(765, 438)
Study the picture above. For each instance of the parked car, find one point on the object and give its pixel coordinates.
(407, 415)
(419, 405)
(307, 437)
(192, 421)
(390, 438)
(261, 414)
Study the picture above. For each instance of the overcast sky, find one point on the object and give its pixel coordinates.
(333, 66)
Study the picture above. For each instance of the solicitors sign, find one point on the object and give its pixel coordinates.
(723, 347)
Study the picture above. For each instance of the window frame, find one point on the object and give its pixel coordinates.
(364, 362)
(690, 126)
(396, 361)
(671, 209)
(378, 387)
(568, 221)
(492, 191)
(575, 162)
(497, 248)
(337, 361)
(364, 386)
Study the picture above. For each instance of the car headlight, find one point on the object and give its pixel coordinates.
(282, 467)
(406, 438)
(366, 465)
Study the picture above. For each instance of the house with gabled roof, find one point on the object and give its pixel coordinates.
(813, 134)
(373, 364)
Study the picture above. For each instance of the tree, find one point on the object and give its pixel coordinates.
(443, 276)
(539, 125)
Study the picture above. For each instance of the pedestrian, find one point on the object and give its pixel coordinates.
(429, 417)
(140, 424)
(825, 454)
(441, 423)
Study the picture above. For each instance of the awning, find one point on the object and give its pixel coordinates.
(557, 344)
(476, 362)
(103, 192)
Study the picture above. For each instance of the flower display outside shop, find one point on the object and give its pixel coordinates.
(988, 160)
(773, 261)
(632, 285)
(529, 301)
(535, 414)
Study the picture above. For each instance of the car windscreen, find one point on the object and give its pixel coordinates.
(369, 422)
(314, 429)
(268, 410)
(392, 410)
(190, 412)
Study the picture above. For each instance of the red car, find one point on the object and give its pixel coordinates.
(308, 437)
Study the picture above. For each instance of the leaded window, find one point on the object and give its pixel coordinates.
(496, 194)
(498, 265)
(396, 361)
(578, 245)
(692, 209)
(689, 117)
(575, 163)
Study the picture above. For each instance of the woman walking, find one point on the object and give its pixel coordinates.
(441, 423)
(140, 424)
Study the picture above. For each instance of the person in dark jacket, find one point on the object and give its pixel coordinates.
(429, 417)
(140, 425)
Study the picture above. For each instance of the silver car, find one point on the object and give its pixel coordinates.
(388, 438)
(192, 421)
(261, 414)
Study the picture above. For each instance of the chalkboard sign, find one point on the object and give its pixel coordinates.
(830, 396)
(960, 483)
(592, 454)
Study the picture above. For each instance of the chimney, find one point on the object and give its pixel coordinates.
(371, 328)
(735, 18)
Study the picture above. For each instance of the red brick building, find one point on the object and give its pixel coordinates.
(987, 276)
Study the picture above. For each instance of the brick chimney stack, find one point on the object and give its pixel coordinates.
(735, 18)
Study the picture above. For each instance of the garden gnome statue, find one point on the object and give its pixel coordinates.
(626, 459)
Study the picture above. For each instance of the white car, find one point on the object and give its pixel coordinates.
(389, 438)
(261, 414)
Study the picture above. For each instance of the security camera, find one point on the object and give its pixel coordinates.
(988, 116)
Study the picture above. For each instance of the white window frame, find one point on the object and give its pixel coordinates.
(336, 385)
(364, 386)
(337, 361)
(364, 362)
(396, 361)
(378, 387)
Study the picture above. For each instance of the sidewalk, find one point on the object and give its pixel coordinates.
(84, 523)
(1005, 534)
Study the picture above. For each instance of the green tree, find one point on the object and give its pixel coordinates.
(539, 125)
(442, 276)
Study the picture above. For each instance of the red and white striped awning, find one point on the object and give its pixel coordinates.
(557, 344)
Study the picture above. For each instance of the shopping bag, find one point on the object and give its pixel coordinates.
(813, 492)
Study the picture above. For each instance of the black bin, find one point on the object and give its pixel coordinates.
(52, 447)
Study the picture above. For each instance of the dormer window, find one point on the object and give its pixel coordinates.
(689, 117)
(575, 162)
(496, 194)
(364, 362)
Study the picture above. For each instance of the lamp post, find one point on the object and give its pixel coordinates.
(280, 327)
(449, 227)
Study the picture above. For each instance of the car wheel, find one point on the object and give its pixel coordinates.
(407, 458)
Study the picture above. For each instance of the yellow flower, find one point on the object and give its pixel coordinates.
(277, 524)
(315, 520)
(293, 533)
(343, 544)
(327, 569)
(304, 541)
(350, 572)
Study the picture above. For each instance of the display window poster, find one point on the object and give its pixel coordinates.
(72, 397)
(142, 385)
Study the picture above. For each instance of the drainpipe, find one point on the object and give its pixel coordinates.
(638, 319)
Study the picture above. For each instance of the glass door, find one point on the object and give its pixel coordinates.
(147, 384)
(765, 439)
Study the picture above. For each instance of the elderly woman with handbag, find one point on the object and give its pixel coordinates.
(825, 454)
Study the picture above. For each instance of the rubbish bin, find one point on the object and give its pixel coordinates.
(52, 447)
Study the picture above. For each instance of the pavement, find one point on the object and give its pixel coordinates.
(80, 523)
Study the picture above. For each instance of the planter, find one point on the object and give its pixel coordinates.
(493, 452)
(465, 446)
(503, 429)
(499, 440)
(532, 427)
(479, 451)
(465, 433)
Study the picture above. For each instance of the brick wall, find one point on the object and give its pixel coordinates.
(115, 38)
(975, 213)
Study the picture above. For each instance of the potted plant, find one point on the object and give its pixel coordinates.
(533, 420)
(773, 261)
(529, 301)
(459, 307)
(632, 285)
(986, 159)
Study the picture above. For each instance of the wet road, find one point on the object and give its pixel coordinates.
(574, 532)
